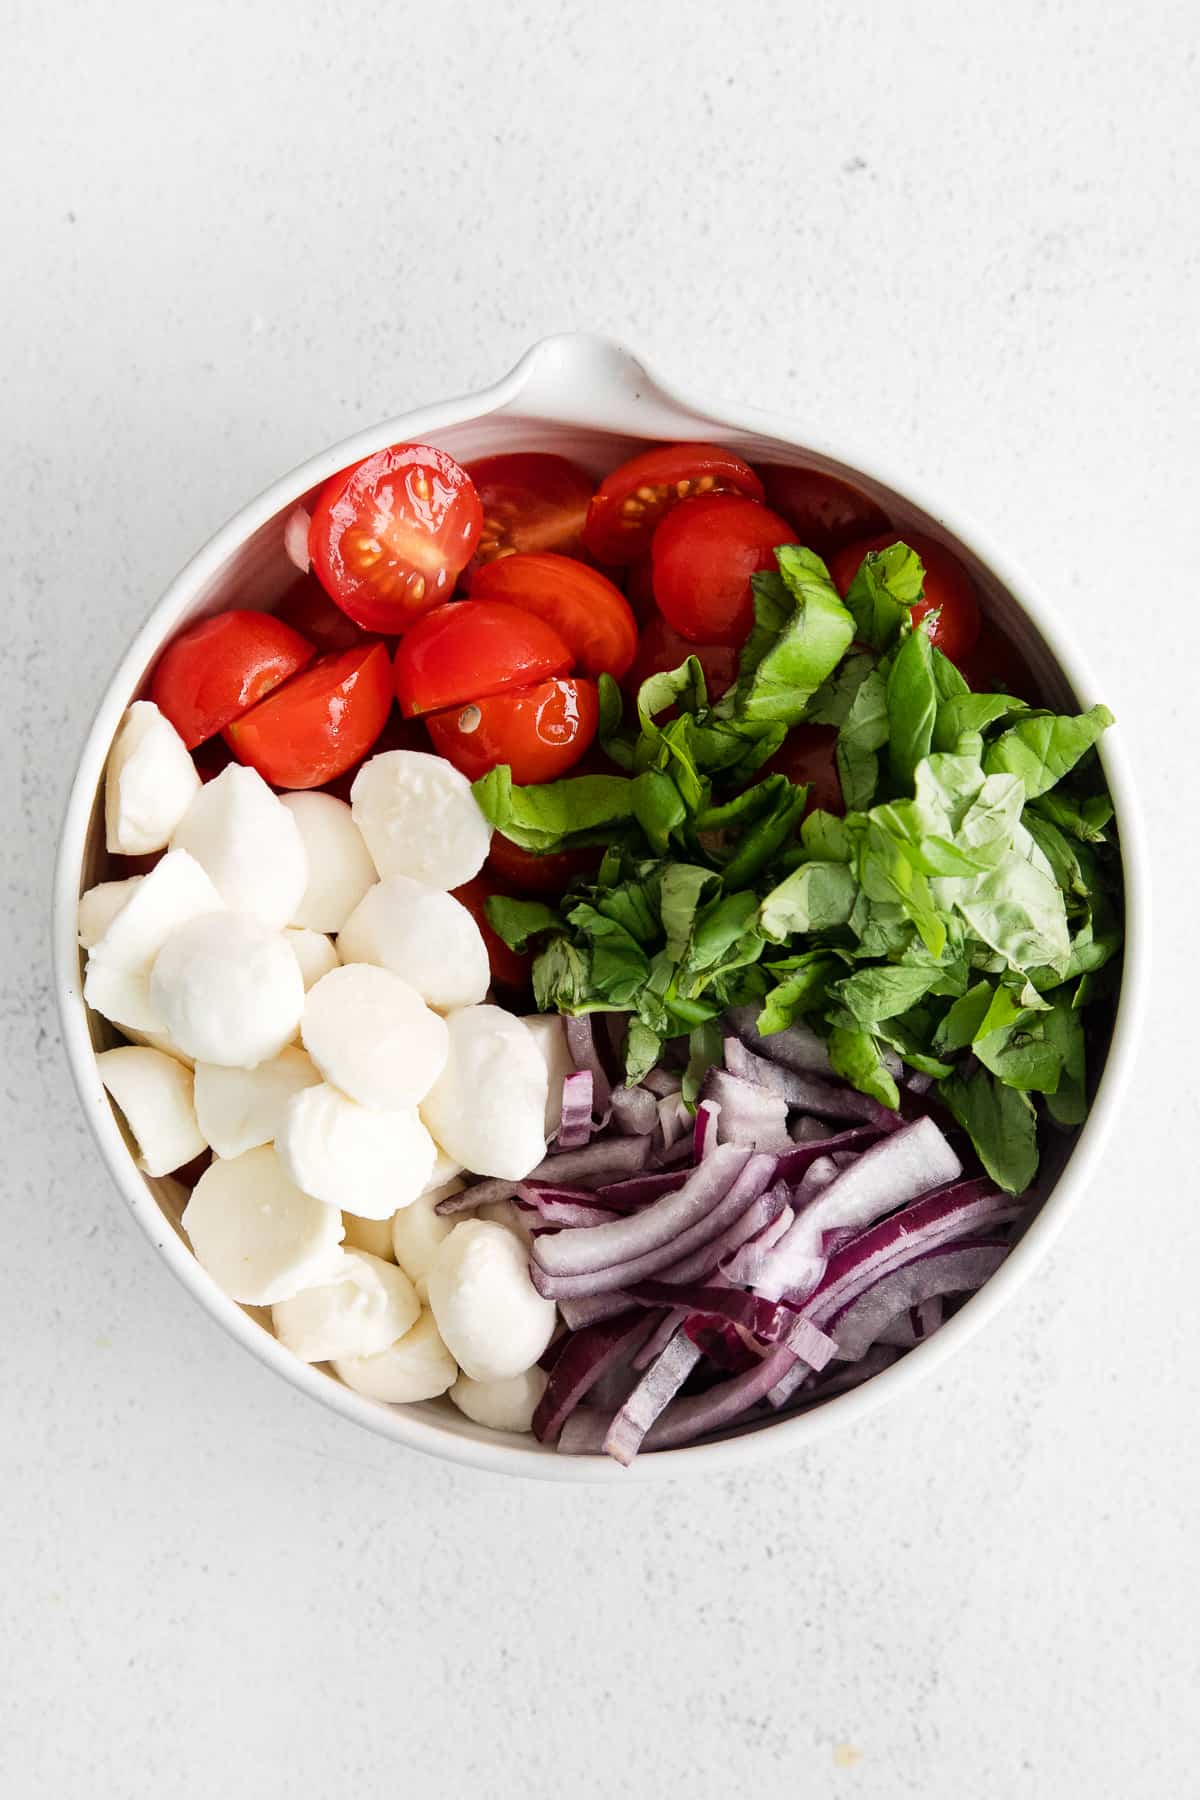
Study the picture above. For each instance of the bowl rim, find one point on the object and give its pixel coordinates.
(596, 383)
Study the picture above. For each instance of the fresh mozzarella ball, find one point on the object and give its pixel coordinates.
(340, 869)
(509, 1214)
(488, 1106)
(149, 784)
(418, 1232)
(100, 906)
(362, 1307)
(241, 1108)
(373, 1036)
(256, 1233)
(250, 844)
(158, 1040)
(354, 1157)
(420, 818)
(372, 1235)
(155, 1094)
(417, 1366)
(494, 1321)
(507, 1405)
(118, 973)
(314, 952)
(423, 934)
(550, 1036)
(228, 990)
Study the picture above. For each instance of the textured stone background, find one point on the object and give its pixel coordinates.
(233, 232)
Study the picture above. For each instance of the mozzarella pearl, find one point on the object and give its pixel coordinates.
(100, 906)
(228, 990)
(420, 818)
(250, 844)
(313, 951)
(373, 1036)
(507, 1405)
(340, 869)
(259, 1237)
(494, 1321)
(364, 1306)
(149, 784)
(417, 1366)
(423, 934)
(354, 1157)
(155, 1094)
(241, 1108)
(488, 1106)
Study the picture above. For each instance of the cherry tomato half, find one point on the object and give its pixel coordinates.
(390, 535)
(471, 648)
(808, 754)
(591, 615)
(509, 970)
(540, 732)
(308, 609)
(948, 587)
(222, 667)
(639, 589)
(703, 556)
(321, 722)
(661, 647)
(531, 501)
(995, 664)
(629, 503)
(823, 511)
(551, 874)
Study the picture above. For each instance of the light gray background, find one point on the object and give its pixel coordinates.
(231, 233)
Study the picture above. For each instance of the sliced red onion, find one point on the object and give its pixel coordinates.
(483, 1193)
(581, 1363)
(668, 1326)
(825, 1098)
(704, 1141)
(917, 1083)
(584, 1432)
(804, 1130)
(928, 1317)
(810, 1343)
(653, 1393)
(634, 1110)
(693, 1416)
(295, 538)
(749, 1114)
(590, 1308)
(797, 1048)
(604, 1159)
(579, 1252)
(674, 1121)
(575, 1126)
(553, 1209)
(639, 1190)
(762, 1322)
(794, 1162)
(839, 1378)
(818, 1175)
(956, 1269)
(582, 1045)
(662, 1082)
(765, 1219)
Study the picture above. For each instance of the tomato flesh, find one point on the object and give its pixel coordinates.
(321, 722)
(472, 648)
(948, 588)
(702, 558)
(590, 614)
(629, 503)
(390, 535)
(308, 609)
(531, 502)
(509, 970)
(540, 731)
(823, 511)
(220, 668)
(661, 647)
(808, 754)
(551, 874)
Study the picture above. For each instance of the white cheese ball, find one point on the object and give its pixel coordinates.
(373, 1036)
(117, 983)
(550, 1035)
(488, 1106)
(354, 1157)
(423, 934)
(250, 844)
(239, 1109)
(149, 783)
(361, 1308)
(372, 1235)
(155, 1094)
(340, 869)
(420, 818)
(100, 906)
(313, 951)
(494, 1321)
(419, 1231)
(259, 1237)
(507, 1405)
(417, 1366)
(228, 990)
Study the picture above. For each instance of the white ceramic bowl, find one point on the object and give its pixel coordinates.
(591, 400)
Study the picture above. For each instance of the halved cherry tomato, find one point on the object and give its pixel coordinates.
(996, 665)
(221, 667)
(531, 501)
(471, 648)
(308, 609)
(321, 722)
(808, 754)
(509, 970)
(629, 503)
(398, 734)
(824, 512)
(703, 556)
(552, 873)
(639, 589)
(948, 587)
(390, 535)
(661, 647)
(590, 614)
(539, 731)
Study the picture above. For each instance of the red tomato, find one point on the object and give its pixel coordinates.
(629, 503)
(471, 648)
(540, 732)
(320, 723)
(703, 556)
(661, 647)
(309, 610)
(221, 667)
(509, 970)
(531, 501)
(591, 615)
(552, 874)
(397, 734)
(639, 590)
(824, 511)
(808, 754)
(995, 664)
(947, 587)
(390, 535)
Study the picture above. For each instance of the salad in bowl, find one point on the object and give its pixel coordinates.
(621, 952)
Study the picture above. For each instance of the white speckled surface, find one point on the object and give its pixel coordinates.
(236, 233)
